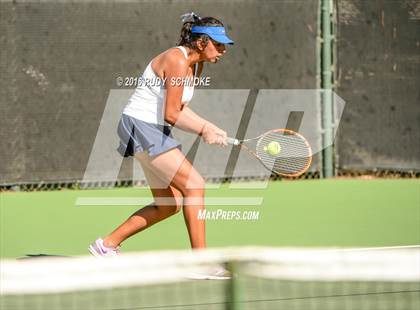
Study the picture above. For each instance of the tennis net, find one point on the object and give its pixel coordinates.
(263, 278)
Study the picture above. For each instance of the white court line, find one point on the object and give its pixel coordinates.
(374, 248)
(135, 201)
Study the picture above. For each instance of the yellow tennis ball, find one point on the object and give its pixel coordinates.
(273, 148)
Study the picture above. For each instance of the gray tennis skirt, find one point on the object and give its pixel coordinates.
(139, 136)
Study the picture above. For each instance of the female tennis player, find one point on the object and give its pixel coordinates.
(145, 126)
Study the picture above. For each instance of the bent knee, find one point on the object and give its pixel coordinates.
(194, 184)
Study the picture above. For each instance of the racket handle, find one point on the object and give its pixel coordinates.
(232, 141)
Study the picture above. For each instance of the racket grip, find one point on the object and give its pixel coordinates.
(232, 141)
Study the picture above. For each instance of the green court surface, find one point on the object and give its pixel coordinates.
(337, 213)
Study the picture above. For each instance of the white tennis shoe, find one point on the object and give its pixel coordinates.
(98, 249)
(218, 273)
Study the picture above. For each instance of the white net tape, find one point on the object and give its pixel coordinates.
(52, 275)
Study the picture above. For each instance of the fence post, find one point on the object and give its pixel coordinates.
(326, 93)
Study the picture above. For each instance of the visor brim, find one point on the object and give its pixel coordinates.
(224, 39)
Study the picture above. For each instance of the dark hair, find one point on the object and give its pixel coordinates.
(188, 38)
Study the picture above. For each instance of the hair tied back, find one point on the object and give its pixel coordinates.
(189, 17)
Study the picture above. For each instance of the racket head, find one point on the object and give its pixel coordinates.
(294, 158)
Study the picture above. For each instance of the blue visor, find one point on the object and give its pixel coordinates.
(217, 33)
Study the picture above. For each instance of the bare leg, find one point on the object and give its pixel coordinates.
(168, 201)
(190, 183)
(196, 227)
(171, 178)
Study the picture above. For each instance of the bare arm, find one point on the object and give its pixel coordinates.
(177, 68)
(186, 110)
(181, 116)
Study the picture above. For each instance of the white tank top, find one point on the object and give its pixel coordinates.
(148, 100)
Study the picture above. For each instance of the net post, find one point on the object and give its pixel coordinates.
(232, 287)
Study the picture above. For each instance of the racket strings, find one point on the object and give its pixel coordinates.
(284, 165)
(294, 156)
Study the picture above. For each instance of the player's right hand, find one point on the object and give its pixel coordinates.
(214, 135)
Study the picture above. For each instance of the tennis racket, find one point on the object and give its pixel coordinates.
(282, 151)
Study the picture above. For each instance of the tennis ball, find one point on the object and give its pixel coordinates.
(272, 148)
